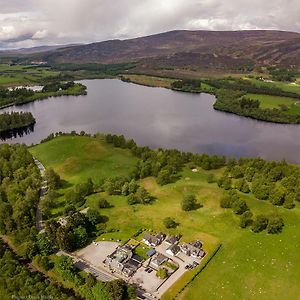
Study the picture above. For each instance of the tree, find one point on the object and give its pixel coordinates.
(276, 196)
(246, 219)
(260, 223)
(162, 273)
(103, 203)
(85, 189)
(237, 172)
(242, 185)
(53, 179)
(169, 223)
(164, 177)
(239, 206)
(189, 202)
(228, 199)
(74, 198)
(44, 245)
(275, 224)
(289, 201)
(93, 216)
(132, 186)
(48, 203)
(65, 267)
(80, 237)
(143, 196)
(43, 262)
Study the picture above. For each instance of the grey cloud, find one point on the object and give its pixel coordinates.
(66, 21)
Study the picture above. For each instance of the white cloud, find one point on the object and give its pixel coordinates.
(66, 21)
(40, 34)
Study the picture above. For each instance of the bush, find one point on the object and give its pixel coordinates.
(162, 273)
(169, 223)
(275, 224)
(260, 223)
(189, 202)
(246, 219)
(239, 206)
(103, 203)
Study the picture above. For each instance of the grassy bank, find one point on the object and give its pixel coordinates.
(24, 75)
(247, 266)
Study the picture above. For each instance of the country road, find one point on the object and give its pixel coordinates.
(39, 220)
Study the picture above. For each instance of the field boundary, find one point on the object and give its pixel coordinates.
(179, 286)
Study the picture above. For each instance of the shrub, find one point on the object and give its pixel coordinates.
(169, 223)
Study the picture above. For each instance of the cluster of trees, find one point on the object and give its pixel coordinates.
(234, 201)
(17, 281)
(85, 287)
(15, 120)
(49, 202)
(187, 85)
(23, 95)
(231, 101)
(14, 96)
(164, 164)
(246, 86)
(76, 196)
(107, 69)
(272, 223)
(126, 186)
(283, 74)
(76, 231)
(57, 86)
(276, 182)
(20, 183)
(88, 287)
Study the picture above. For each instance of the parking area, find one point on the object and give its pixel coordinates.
(147, 280)
(96, 253)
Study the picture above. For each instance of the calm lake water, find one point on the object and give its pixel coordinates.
(159, 117)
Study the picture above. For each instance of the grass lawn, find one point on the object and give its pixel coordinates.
(247, 266)
(267, 101)
(23, 75)
(78, 158)
(150, 80)
(285, 86)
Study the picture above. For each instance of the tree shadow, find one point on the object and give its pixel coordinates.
(64, 184)
(197, 206)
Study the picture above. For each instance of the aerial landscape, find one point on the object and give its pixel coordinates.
(149, 150)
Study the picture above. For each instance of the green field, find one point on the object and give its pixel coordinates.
(267, 101)
(285, 86)
(150, 80)
(23, 75)
(248, 265)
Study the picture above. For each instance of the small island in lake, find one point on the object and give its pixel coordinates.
(15, 120)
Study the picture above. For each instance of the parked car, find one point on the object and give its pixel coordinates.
(195, 264)
(150, 270)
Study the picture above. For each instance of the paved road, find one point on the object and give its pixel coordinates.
(39, 220)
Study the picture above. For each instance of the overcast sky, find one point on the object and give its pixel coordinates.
(26, 23)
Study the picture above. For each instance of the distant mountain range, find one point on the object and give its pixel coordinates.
(231, 50)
